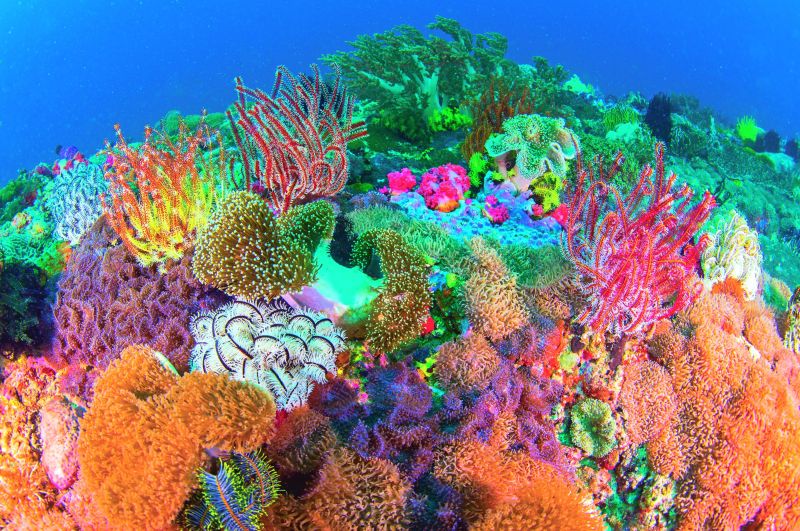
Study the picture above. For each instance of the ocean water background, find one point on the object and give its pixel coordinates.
(70, 70)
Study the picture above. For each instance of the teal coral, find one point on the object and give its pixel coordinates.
(592, 427)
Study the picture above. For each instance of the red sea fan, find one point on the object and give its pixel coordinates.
(294, 142)
(634, 254)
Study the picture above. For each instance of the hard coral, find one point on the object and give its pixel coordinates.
(636, 262)
(143, 438)
(592, 427)
(270, 345)
(107, 300)
(293, 144)
(246, 252)
(159, 196)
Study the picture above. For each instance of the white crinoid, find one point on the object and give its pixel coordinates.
(272, 345)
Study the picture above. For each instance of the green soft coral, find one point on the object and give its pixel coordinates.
(592, 427)
(403, 302)
(541, 144)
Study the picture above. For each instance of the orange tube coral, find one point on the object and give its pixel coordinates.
(144, 436)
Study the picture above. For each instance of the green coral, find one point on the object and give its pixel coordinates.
(620, 114)
(17, 195)
(541, 144)
(536, 267)
(592, 427)
(448, 119)
(235, 497)
(246, 251)
(547, 190)
(747, 129)
(402, 305)
(28, 239)
(478, 167)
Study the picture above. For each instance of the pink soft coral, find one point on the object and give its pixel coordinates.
(444, 187)
(401, 181)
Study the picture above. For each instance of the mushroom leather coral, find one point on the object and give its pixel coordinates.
(143, 438)
(732, 444)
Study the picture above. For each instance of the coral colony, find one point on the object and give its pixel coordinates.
(426, 288)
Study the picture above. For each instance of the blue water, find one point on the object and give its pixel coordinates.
(70, 70)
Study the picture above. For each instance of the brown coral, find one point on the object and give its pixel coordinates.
(352, 493)
(301, 442)
(466, 363)
(493, 304)
(143, 438)
(732, 444)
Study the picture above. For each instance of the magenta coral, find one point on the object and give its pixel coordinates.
(401, 181)
(635, 254)
(444, 187)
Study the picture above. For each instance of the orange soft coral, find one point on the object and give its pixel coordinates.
(732, 444)
(144, 436)
(493, 304)
(353, 493)
(648, 400)
(27, 497)
(495, 482)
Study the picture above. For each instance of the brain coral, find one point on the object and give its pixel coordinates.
(106, 300)
(269, 344)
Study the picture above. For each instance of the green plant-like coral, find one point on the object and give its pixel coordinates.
(747, 129)
(592, 427)
(247, 252)
(402, 305)
(536, 267)
(620, 114)
(547, 190)
(541, 144)
(448, 119)
(236, 496)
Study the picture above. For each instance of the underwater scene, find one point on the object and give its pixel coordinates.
(414, 284)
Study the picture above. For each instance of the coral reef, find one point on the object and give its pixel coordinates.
(74, 200)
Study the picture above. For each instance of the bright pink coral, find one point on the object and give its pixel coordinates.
(401, 181)
(495, 211)
(634, 254)
(444, 187)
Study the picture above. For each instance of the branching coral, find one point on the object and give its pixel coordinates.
(246, 252)
(412, 77)
(493, 304)
(541, 144)
(106, 300)
(499, 102)
(731, 445)
(636, 262)
(159, 196)
(143, 438)
(401, 307)
(74, 200)
(734, 252)
(293, 143)
(271, 345)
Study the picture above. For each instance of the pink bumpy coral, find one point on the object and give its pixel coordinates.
(401, 181)
(444, 187)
